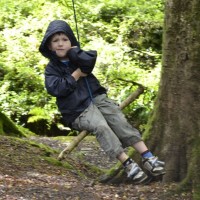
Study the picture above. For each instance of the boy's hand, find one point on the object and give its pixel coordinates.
(85, 60)
(82, 74)
(78, 73)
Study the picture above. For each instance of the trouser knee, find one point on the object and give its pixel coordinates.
(108, 141)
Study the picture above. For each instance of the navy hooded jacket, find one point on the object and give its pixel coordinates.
(72, 97)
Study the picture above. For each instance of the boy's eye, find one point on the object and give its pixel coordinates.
(64, 39)
(55, 40)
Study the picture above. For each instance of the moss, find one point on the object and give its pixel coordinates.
(26, 132)
(7, 126)
(196, 195)
(47, 149)
(55, 162)
(194, 169)
(148, 128)
(111, 173)
(94, 169)
(80, 155)
(1, 128)
(66, 165)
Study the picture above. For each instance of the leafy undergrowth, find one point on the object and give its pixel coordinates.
(29, 171)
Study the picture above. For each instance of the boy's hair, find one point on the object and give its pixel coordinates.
(50, 38)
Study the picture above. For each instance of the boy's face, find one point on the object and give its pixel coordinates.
(60, 43)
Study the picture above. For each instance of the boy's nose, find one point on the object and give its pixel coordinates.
(60, 43)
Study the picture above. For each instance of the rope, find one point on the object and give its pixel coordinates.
(89, 89)
(75, 19)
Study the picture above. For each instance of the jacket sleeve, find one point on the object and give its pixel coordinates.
(58, 85)
(84, 59)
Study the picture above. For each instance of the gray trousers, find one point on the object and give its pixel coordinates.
(105, 119)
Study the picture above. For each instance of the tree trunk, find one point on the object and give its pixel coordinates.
(7, 127)
(174, 127)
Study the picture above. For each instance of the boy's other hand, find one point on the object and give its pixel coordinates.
(78, 73)
(82, 74)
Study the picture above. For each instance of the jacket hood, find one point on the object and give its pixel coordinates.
(55, 27)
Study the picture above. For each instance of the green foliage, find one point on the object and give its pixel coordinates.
(127, 35)
(38, 113)
(22, 66)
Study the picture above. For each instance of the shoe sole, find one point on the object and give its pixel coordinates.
(154, 177)
(157, 174)
(145, 180)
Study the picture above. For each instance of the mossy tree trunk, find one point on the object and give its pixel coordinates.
(174, 129)
(8, 127)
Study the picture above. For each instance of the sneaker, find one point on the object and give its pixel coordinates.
(135, 173)
(154, 166)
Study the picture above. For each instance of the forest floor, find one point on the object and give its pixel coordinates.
(31, 173)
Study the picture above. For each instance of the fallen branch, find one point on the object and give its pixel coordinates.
(132, 97)
(84, 133)
(73, 144)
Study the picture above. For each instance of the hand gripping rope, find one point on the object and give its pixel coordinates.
(75, 19)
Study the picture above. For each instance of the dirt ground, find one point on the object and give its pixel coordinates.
(31, 173)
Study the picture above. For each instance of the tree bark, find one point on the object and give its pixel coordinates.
(84, 133)
(174, 128)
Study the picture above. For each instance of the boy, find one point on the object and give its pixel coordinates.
(84, 104)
